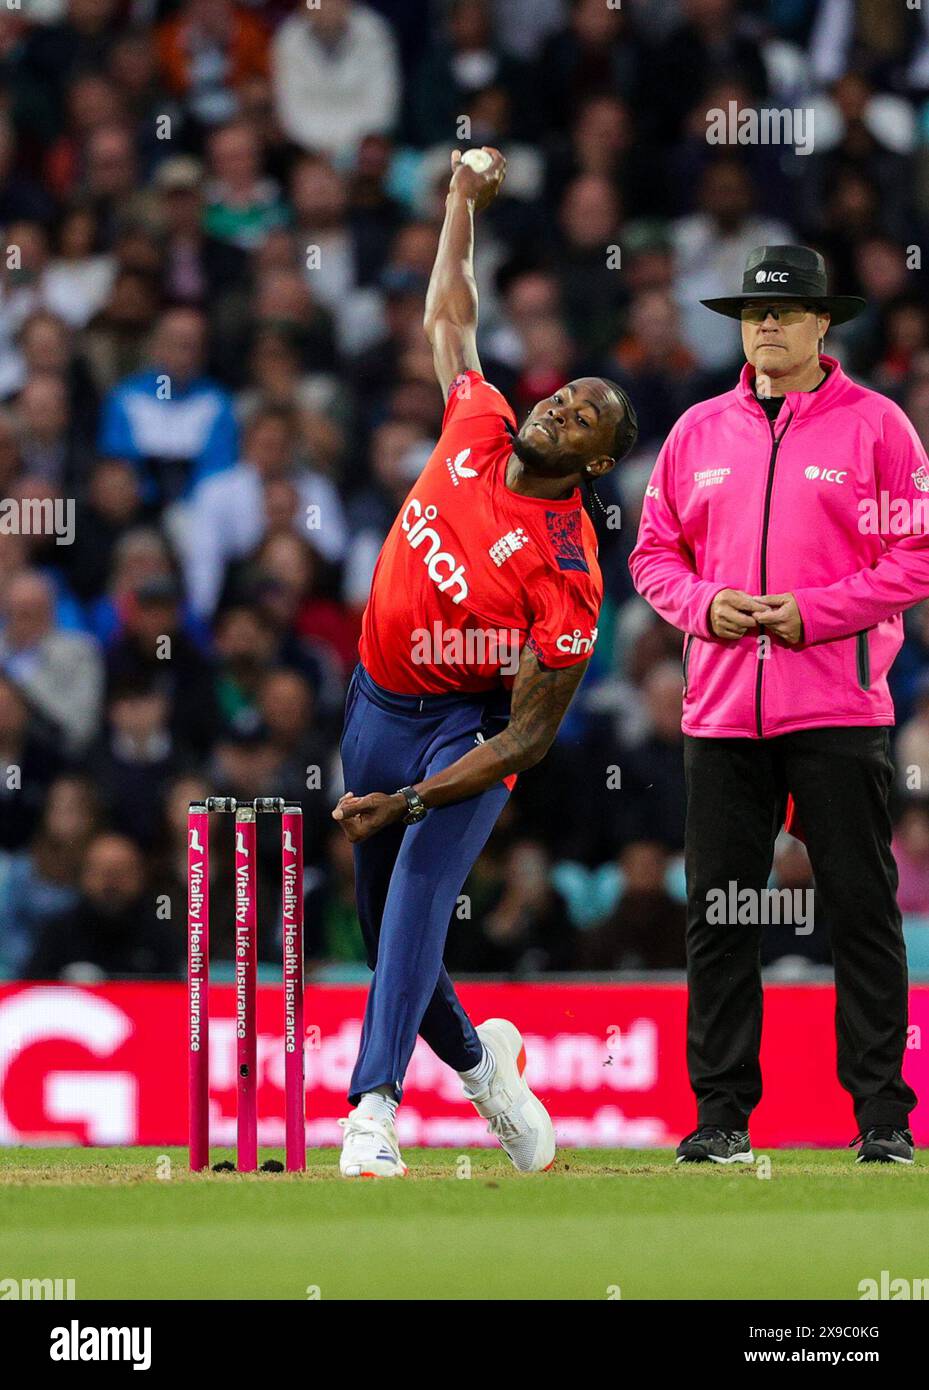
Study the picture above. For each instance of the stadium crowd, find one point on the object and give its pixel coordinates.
(219, 221)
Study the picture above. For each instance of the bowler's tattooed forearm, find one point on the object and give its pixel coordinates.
(540, 700)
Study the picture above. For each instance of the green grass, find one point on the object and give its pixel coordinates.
(133, 1223)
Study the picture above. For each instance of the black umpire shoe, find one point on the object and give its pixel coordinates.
(884, 1144)
(710, 1144)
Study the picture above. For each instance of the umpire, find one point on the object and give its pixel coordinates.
(779, 533)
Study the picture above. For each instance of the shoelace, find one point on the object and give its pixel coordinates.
(503, 1127)
(878, 1132)
(702, 1130)
(370, 1128)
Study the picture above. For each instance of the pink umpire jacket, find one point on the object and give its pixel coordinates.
(832, 505)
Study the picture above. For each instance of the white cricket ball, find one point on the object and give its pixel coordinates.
(478, 160)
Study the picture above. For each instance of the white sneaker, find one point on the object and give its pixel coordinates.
(518, 1119)
(370, 1149)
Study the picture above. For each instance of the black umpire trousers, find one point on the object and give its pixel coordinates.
(840, 779)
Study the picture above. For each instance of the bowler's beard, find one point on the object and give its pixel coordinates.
(528, 455)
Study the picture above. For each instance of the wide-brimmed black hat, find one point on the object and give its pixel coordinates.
(788, 272)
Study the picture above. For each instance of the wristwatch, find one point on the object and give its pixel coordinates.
(416, 807)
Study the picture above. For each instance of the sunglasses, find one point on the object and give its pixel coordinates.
(757, 313)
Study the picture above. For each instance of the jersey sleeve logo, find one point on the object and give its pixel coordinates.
(456, 467)
(564, 532)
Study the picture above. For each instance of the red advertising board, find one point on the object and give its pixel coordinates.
(107, 1065)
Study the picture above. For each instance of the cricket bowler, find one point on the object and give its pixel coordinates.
(481, 620)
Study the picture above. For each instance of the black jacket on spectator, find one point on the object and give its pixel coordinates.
(132, 941)
(187, 679)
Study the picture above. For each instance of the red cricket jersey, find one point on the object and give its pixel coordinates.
(471, 571)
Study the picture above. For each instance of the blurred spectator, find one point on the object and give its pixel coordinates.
(651, 803)
(286, 709)
(278, 379)
(655, 366)
(177, 424)
(136, 759)
(153, 650)
(911, 851)
(42, 881)
(912, 749)
(111, 181)
(114, 928)
(198, 267)
(60, 673)
(242, 205)
(524, 928)
(79, 42)
(114, 344)
(284, 302)
(112, 507)
(229, 514)
(336, 76)
(711, 40)
(48, 348)
(207, 52)
(92, 104)
(646, 929)
(48, 446)
(463, 58)
(602, 141)
(133, 68)
(711, 247)
(246, 646)
(22, 198)
(27, 767)
(289, 590)
(324, 233)
(596, 52)
(591, 216)
(22, 272)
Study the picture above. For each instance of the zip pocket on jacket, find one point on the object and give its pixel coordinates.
(686, 661)
(863, 660)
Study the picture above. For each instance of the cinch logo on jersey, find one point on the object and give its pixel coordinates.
(574, 643)
(442, 567)
(825, 475)
(708, 477)
(456, 467)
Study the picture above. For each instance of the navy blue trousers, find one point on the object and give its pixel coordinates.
(408, 877)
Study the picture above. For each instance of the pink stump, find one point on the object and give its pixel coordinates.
(292, 911)
(246, 925)
(198, 982)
